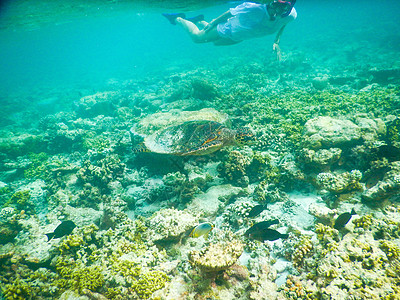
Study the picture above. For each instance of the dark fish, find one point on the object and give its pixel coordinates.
(268, 235)
(389, 151)
(260, 226)
(256, 210)
(63, 229)
(261, 231)
(343, 219)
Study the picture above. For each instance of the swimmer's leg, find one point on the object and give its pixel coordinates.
(171, 17)
(197, 35)
(202, 24)
(196, 19)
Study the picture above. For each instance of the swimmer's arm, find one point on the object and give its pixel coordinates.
(222, 18)
(276, 47)
(278, 35)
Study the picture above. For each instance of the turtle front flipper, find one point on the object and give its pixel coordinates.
(139, 148)
(138, 145)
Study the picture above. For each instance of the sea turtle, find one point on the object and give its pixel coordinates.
(198, 137)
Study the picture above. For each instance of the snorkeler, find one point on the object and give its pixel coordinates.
(246, 21)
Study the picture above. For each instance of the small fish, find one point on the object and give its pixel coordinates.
(201, 229)
(261, 231)
(65, 228)
(256, 210)
(343, 219)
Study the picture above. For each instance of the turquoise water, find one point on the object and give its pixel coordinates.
(135, 43)
(92, 148)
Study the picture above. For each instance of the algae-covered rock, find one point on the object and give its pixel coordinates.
(340, 183)
(170, 224)
(385, 188)
(101, 103)
(320, 160)
(217, 257)
(320, 82)
(371, 129)
(327, 132)
(213, 200)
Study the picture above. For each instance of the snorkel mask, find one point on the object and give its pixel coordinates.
(280, 8)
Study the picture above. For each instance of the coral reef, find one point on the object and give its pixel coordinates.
(327, 131)
(170, 224)
(387, 187)
(301, 250)
(320, 160)
(216, 257)
(148, 283)
(340, 183)
(243, 167)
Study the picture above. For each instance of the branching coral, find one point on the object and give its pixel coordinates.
(233, 169)
(363, 222)
(20, 200)
(37, 168)
(302, 249)
(18, 290)
(77, 276)
(235, 214)
(203, 89)
(391, 249)
(294, 289)
(149, 282)
(327, 236)
(82, 237)
(242, 168)
(181, 186)
(102, 172)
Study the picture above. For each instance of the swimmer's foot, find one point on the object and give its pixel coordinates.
(172, 17)
(196, 19)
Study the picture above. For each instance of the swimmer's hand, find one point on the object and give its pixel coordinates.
(277, 51)
(209, 26)
(222, 18)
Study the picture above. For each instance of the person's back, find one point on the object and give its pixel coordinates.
(251, 20)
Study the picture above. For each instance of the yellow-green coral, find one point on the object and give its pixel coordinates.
(149, 282)
(73, 241)
(37, 168)
(19, 199)
(363, 222)
(326, 233)
(97, 143)
(393, 131)
(126, 268)
(77, 277)
(391, 249)
(302, 249)
(18, 290)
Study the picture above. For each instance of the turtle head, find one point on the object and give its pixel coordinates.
(244, 136)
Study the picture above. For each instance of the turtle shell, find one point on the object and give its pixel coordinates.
(189, 138)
